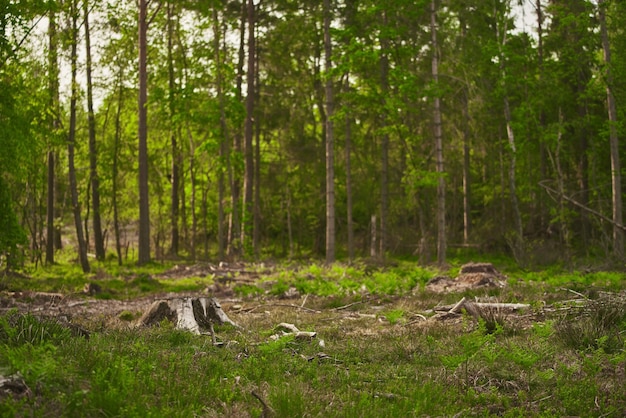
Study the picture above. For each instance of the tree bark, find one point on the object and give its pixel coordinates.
(144, 205)
(248, 184)
(384, 148)
(224, 153)
(71, 140)
(616, 178)
(116, 147)
(98, 236)
(441, 184)
(175, 175)
(348, 157)
(234, 227)
(53, 86)
(330, 153)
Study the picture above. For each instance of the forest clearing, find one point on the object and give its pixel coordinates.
(308, 340)
(358, 208)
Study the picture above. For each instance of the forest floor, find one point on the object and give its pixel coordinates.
(114, 310)
(397, 341)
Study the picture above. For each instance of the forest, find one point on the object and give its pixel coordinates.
(336, 129)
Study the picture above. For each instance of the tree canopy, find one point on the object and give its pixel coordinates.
(414, 127)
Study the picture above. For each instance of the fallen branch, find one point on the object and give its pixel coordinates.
(293, 330)
(463, 303)
(267, 411)
(580, 205)
(286, 305)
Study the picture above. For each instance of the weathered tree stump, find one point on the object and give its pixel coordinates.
(192, 314)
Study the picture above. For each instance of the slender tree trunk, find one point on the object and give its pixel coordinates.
(256, 225)
(542, 116)
(234, 227)
(116, 147)
(467, 189)
(330, 153)
(517, 217)
(441, 184)
(616, 178)
(53, 86)
(225, 136)
(384, 149)
(175, 176)
(71, 141)
(192, 201)
(144, 205)
(248, 184)
(50, 211)
(348, 156)
(93, 151)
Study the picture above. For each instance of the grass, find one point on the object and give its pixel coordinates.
(375, 359)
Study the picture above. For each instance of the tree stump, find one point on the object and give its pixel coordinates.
(196, 315)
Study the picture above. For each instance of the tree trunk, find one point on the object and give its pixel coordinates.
(53, 86)
(384, 149)
(116, 147)
(144, 206)
(248, 184)
(71, 140)
(192, 201)
(330, 153)
(234, 227)
(175, 175)
(348, 151)
(441, 184)
(256, 225)
(616, 178)
(518, 239)
(98, 236)
(224, 153)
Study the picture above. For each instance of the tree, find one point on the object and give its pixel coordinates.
(441, 183)
(71, 141)
(329, 140)
(175, 199)
(93, 149)
(53, 86)
(144, 195)
(248, 184)
(616, 178)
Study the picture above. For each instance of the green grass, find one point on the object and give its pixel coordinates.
(552, 365)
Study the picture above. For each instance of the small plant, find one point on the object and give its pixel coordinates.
(394, 316)
(126, 316)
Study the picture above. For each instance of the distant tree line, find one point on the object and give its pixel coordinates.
(331, 128)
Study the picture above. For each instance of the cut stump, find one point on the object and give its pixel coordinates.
(471, 276)
(192, 314)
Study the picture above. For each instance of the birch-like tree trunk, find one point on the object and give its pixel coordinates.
(248, 184)
(330, 152)
(441, 183)
(616, 178)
